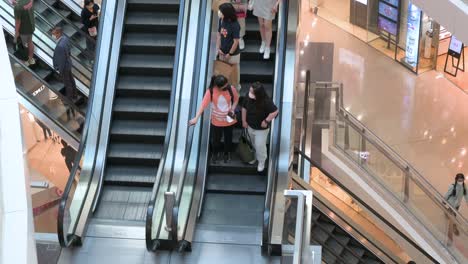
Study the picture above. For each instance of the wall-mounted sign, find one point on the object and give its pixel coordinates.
(455, 47)
(388, 11)
(389, 15)
(412, 34)
(364, 2)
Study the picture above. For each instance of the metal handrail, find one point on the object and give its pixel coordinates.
(84, 74)
(367, 207)
(150, 243)
(391, 154)
(276, 133)
(43, 82)
(65, 240)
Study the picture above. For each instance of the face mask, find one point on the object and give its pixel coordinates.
(460, 182)
(54, 37)
(220, 15)
(251, 95)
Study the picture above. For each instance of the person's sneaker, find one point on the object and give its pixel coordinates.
(262, 47)
(30, 62)
(266, 54)
(227, 157)
(261, 166)
(241, 43)
(253, 162)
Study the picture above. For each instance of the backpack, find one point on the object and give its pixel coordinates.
(230, 94)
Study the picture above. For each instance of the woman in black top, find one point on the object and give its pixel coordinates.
(90, 20)
(227, 42)
(258, 111)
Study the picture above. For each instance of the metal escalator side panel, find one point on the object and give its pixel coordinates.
(282, 130)
(72, 215)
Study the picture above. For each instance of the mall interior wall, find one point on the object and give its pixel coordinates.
(17, 243)
(453, 14)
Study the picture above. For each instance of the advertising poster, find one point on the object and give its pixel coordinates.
(388, 11)
(412, 34)
(392, 2)
(455, 47)
(387, 25)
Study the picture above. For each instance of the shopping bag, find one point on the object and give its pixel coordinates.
(20, 51)
(216, 3)
(223, 68)
(245, 148)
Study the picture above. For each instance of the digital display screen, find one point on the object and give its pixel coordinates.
(412, 34)
(392, 2)
(455, 46)
(388, 11)
(387, 25)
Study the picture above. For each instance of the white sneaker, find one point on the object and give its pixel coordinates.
(241, 43)
(30, 62)
(253, 162)
(266, 55)
(262, 47)
(261, 166)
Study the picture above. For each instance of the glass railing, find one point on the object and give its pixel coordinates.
(83, 60)
(356, 143)
(52, 103)
(352, 214)
(77, 195)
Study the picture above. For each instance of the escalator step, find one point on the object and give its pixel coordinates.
(141, 108)
(370, 260)
(144, 86)
(350, 258)
(134, 153)
(235, 165)
(343, 239)
(142, 131)
(235, 183)
(130, 175)
(329, 228)
(358, 251)
(123, 203)
(327, 257)
(335, 246)
(64, 13)
(149, 43)
(141, 64)
(153, 5)
(251, 51)
(151, 22)
(319, 235)
(261, 71)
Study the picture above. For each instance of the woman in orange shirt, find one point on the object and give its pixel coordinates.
(224, 99)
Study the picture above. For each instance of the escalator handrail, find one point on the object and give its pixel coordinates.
(64, 240)
(276, 133)
(79, 30)
(361, 202)
(150, 243)
(59, 94)
(193, 109)
(85, 75)
(403, 165)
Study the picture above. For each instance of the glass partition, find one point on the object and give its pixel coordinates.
(386, 168)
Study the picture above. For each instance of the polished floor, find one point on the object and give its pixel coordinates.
(422, 117)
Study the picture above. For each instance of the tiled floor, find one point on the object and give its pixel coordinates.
(422, 117)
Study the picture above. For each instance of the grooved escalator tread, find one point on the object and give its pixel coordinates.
(135, 151)
(152, 19)
(236, 183)
(123, 203)
(141, 105)
(138, 128)
(139, 61)
(147, 83)
(257, 68)
(130, 174)
(149, 40)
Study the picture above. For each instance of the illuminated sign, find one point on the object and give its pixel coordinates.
(412, 34)
(38, 90)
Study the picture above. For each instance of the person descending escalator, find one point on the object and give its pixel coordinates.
(63, 65)
(454, 196)
(224, 99)
(25, 26)
(265, 11)
(69, 154)
(258, 110)
(90, 20)
(227, 41)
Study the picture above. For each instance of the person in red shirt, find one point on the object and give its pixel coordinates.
(223, 98)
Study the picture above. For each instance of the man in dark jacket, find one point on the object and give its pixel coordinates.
(69, 154)
(63, 64)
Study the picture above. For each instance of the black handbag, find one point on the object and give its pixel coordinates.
(245, 148)
(20, 51)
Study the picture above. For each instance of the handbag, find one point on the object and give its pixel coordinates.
(245, 148)
(92, 31)
(20, 51)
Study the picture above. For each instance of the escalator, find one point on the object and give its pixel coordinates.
(46, 19)
(40, 90)
(236, 183)
(140, 111)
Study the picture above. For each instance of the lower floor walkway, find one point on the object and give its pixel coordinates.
(424, 117)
